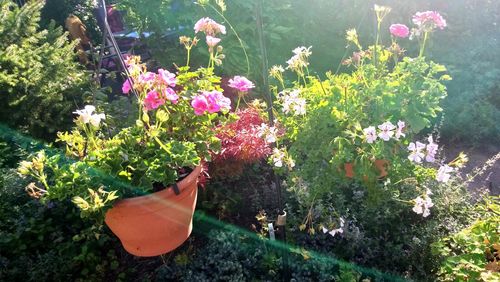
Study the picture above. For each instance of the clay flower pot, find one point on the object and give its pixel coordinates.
(349, 170)
(158, 223)
(380, 165)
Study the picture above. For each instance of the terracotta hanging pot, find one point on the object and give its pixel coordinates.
(158, 223)
(380, 165)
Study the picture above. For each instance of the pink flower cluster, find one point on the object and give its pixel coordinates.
(241, 83)
(210, 101)
(399, 30)
(429, 19)
(212, 41)
(211, 29)
(159, 86)
(154, 99)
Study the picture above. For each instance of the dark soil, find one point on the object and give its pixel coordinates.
(478, 156)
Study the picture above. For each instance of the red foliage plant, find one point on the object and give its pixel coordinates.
(241, 144)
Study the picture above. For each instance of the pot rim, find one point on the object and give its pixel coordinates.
(165, 193)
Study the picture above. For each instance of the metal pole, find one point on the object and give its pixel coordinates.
(281, 221)
(108, 34)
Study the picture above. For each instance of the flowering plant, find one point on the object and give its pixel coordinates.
(175, 131)
(362, 126)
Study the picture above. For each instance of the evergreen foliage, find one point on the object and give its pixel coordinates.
(40, 81)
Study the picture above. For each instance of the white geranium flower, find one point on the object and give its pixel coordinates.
(292, 103)
(416, 154)
(95, 119)
(87, 116)
(399, 130)
(370, 134)
(278, 157)
(268, 133)
(443, 174)
(431, 150)
(386, 130)
(422, 205)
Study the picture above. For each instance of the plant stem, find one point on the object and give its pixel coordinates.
(236, 34)
(161, 144)
(188, 56)
(376, 43)
(238, 103)
(426, 34)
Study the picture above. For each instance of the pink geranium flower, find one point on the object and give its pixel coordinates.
(153, 100)
(209, 27)
(217, 101)
(211, 101)
(199, 104)
(127, 86)
(147, 78)
(167, 77)
(430, 19)
(212, 41)
(170, 95)
(241, 83)
(399, 30)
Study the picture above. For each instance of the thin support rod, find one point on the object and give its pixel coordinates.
(267, 93)
(108, 34)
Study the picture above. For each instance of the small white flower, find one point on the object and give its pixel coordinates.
(268, 133)
(335, 231)
(386, 130)
(303, 51)
(86, 113)
(95, 120)
(291, 102)
(370, 134)
(278, 157)
(443, 174)
(416, 154)
(419, 205)
(299, 60)
(300, 107)
(281, 157)
(399, 130)
(431, 150)
(422, 205)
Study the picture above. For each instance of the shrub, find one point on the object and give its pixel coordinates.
(47, 243)
(39, 80)
(234, 256)
(241, 144)
(473, 254)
